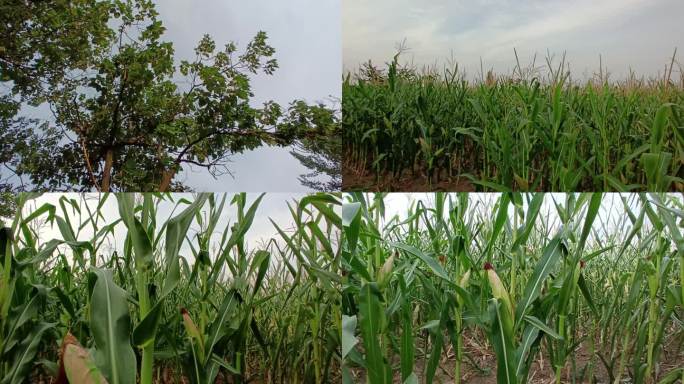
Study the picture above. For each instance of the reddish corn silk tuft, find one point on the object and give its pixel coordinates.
(184, 311)
(581, 263)
(442, 259)
(488, 266)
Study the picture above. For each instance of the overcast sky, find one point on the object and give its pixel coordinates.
(637, 33)
(612, 215)
(272, 206)
(306, 35)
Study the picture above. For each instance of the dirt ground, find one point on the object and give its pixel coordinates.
(541, 372)
(362, 180)
(168, 375)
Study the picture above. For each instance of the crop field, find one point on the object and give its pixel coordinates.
(513, 288)
(141, 294)
(534, 130)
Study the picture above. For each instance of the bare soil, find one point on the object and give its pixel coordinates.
(363, 180)
(541, 372)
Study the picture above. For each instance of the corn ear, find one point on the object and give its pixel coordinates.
(498, 289)
(76, 365)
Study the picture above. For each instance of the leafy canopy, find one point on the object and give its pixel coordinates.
(126, 114)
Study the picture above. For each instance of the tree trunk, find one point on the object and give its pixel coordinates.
(167, 177)
(107, 172)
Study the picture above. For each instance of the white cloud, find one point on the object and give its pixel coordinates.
(636, 33)
(611, 219)
(565, 18)
(306, 35)
(272, 207)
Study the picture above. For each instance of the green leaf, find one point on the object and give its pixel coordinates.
(322, 202)
(431, 324)
(351, 221)
(218, 360)
(142, 246)
(218, 326)
(501, 217)
(659, 123)
(530, 219)
(584, 289)
(372, 321)
(552, 253)
(237, 235)
(25, 353)
(529, 338)
(437, 338)
(592, 212)
(431, 262)
(176, 231)
(502, 339)
(542, 327)
(110, 325)
(407, 346)
(145, 332)
(349, 339)
(656, 168)
(672, 376)
(261, 261)
(20, 316)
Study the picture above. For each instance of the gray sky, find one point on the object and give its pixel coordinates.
(612, 216)
(272, 206)
(637, 33)
(306, 35)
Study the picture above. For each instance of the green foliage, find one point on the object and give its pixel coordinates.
(322, 155)
(109, 322)
(8, 205)
(581, 282)
(521, 132)
(132, 117)
(179, 294)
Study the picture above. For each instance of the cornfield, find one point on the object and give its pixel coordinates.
(533, 130)
(513, 288)
(138, 297)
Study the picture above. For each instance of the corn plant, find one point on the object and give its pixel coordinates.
(533, 278)
(532, 130)
(137, 297)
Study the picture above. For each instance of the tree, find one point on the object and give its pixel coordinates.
(43, 41)
(19, 141)
(125, 116)
(322, 155)
(8, 206)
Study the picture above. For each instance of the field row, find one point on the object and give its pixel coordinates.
(510, 133)
(375, 288)
(126, 289)
(512, 288)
